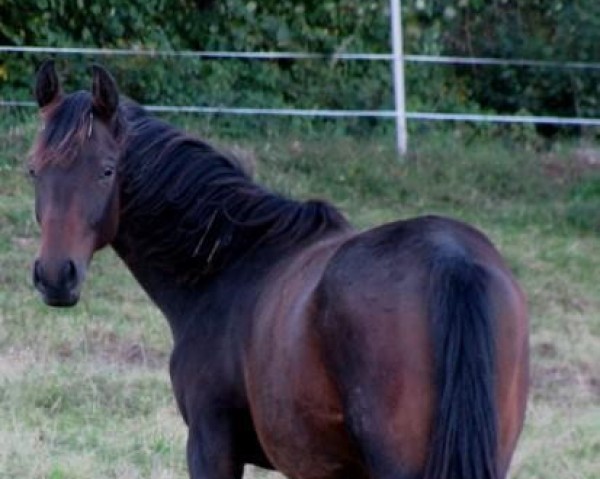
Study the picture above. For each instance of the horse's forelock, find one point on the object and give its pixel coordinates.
(65, 127)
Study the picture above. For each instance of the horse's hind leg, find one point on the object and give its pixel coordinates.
(387, 406)
(382, 367)
(382, 453)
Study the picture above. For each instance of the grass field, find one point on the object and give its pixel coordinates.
(84, 393)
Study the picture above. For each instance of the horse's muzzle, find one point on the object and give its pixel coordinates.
(59, 286)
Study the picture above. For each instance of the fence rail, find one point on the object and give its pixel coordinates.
(389, 114)
(333, 56)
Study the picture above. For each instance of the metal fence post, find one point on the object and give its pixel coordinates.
(398, 69)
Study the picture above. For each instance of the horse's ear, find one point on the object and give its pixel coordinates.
(105, 95)
(47, 84)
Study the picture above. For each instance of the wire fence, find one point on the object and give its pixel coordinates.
(321, 113)
(334, 56)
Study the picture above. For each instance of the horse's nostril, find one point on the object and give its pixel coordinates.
(37, 273)
(70, 273)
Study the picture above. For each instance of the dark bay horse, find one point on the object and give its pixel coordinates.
(300, 344)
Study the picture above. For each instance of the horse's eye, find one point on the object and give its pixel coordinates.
(108, 172)
(31, 172)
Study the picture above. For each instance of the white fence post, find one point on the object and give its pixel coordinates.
(399, 88)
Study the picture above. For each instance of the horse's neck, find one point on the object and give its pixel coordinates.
(219, 257)
(170, 297)
(183, 303)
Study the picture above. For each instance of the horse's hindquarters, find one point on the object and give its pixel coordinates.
(377, 343)
(409, 372)
(349, 361)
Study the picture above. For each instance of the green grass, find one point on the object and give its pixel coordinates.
(84, 393)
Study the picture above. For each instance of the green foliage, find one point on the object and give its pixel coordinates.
(547, 30)
(326, 27)
(541, 29)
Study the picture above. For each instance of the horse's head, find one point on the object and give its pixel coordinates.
(73, 164)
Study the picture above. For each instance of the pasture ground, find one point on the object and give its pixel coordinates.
(84, 393)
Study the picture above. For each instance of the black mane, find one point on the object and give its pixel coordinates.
(193, 210)
(63, 132)
(65, 128)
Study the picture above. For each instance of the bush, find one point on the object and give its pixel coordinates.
(541, 29)
(547, 30)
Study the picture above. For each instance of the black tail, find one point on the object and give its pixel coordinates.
(464, 436)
